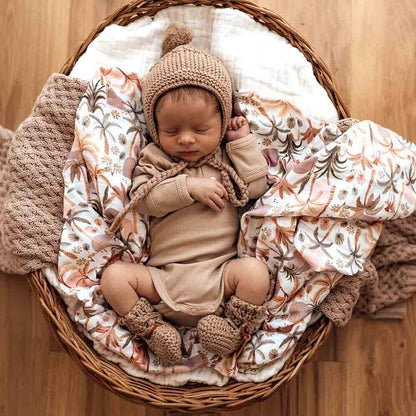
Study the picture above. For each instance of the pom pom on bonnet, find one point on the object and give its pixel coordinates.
(182, 65)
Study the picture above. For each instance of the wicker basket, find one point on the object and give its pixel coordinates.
(192, 397)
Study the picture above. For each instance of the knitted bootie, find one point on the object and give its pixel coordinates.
(223, 336)
(161, 337)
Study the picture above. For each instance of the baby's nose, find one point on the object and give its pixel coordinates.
(186, 138)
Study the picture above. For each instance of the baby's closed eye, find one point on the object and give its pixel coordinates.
(201, 130)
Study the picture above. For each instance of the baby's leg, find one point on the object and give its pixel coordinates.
(122, 283)
(247, 278)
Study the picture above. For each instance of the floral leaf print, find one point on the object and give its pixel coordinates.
(266, 233)
(303, 183)
(114, 100)
(72, 276)
(328, 135)
(72, 216)
(361, 157)
(75, 169)
(282, 257)
(127, 85)
(283, 187)
(275, 128)
(354, 256)
(137, 110)
(331, 164)
(253, 346)
(103, 128)
(310, 134)
(369, 207)
(93, 95)
(283, 235)
(105, 198)
(393, 177)
(291, 272)
(290, 338)
(140, 355)
(326, 283)
(137, 129)
(411, 177)
(319, 243)
(106, 332)
(129, 338)
(289, 146)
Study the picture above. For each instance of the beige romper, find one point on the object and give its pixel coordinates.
(190, 243)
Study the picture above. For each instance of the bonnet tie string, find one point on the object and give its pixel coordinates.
(228, 175)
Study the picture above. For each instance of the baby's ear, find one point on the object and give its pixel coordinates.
(236, 107)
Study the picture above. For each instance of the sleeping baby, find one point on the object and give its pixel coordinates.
(191, 184)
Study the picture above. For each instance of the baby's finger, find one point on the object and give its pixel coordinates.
(222, 191)
(217, 200)
(234, 124)
(211, 204)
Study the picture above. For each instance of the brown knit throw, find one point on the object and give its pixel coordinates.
(227, 174)
(31, 184)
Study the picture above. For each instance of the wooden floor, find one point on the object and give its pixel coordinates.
(367, 368)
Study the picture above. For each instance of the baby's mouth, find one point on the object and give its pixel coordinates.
(188, 152)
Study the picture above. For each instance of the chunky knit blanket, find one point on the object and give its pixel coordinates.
(31, 200)
(31, 184)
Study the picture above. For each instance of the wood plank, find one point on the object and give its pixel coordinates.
(365, 368)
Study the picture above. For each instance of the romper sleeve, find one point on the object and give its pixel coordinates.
(250, 164)
(169, 195)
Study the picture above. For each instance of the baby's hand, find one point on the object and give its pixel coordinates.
(237, 128)
(208, 191)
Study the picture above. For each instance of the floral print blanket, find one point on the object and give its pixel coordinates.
(320, 219)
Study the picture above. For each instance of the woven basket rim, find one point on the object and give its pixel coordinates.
(191, 397)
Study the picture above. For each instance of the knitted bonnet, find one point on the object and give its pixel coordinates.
(183, 65)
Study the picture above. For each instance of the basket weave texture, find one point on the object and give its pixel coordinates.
(191, 397)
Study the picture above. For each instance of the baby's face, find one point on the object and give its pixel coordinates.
(188, 129)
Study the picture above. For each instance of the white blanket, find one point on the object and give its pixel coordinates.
(257, 58)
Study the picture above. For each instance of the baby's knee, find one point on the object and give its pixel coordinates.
(255, 267)
(254, 273)
(112, 275)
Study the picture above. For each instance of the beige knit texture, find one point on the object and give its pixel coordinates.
(161, 337)
(223, 336)
(31, 220)
(176, 34)
(8, 263)
(185, 65)
(346, 123)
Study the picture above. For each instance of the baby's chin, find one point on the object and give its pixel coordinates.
(191, 157)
